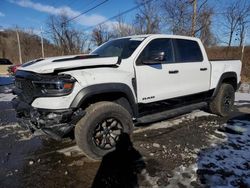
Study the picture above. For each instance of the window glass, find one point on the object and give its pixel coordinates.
(122, 48)
(155, 48)
(187, 51)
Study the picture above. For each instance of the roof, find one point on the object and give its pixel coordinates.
(161, 35)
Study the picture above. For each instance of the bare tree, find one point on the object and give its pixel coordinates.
(177, 16)
(194, 17)
(147, 20)
(64, 35)
(203, 28)
(205, 33)
(101, 34)
(189, 17)
(104, 32)
(236, 18)
(121, 28)
(242, 31)
(243, 23)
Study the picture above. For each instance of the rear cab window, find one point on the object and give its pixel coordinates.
(187, 51)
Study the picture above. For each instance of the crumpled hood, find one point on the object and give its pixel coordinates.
(63, 63)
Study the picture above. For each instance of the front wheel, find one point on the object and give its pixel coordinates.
(223, 102)
(98, 131)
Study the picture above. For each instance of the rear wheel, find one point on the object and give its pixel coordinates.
(223, 102)
(98, 131)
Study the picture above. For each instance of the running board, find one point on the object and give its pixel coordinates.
(151, 118)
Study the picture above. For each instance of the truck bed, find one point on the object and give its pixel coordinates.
(221, 66)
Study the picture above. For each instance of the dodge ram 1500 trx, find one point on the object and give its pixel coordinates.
(135, 79)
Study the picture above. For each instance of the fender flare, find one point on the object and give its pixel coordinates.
(89, 91)
(224, 76)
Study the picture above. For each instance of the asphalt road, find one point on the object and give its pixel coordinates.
(194, 150)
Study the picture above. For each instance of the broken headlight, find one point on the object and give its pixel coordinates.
(56, 86)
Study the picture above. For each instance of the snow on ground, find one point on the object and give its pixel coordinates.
(244, 88)
(69, 151)
(15, 129)
(8, 123)
(10, 126)
(242, 96)
(6, 86)
(6, 83)
(6, 97)
(226, 163)
(242, 99)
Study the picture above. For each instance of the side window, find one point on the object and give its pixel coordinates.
(187, 51)
(157, 48)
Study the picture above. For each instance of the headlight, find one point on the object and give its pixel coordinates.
(61, 85)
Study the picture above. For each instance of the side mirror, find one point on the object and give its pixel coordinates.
(159, 56)
(155, 58)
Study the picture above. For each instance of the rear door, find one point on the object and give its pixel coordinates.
(193, 69)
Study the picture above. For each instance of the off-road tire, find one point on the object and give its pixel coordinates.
(222, 103)
(92, 121)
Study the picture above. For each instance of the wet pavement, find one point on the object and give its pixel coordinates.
(171, 153)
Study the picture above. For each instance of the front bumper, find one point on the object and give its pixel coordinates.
(55, 123)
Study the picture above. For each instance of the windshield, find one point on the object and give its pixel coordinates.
(122, 48)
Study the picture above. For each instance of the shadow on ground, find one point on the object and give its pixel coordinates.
(121, 167)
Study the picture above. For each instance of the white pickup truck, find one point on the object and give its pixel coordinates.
(135, 79)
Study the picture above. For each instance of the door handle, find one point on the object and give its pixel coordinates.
(173, 71)
(203, 69)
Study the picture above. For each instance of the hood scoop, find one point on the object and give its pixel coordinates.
(76, 58)
(66, 63)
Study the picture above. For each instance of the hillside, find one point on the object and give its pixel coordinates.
(30, 46)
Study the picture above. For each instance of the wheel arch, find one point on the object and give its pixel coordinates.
(105, 92)
(229, 78)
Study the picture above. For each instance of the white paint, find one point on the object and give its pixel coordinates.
(220, 67)
(155, 80)
(48, 66)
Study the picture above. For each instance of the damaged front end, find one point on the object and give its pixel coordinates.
(55, 123)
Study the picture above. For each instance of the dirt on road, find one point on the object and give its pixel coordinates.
(193, 150)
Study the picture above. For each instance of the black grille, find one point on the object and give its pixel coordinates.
(27, 88)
